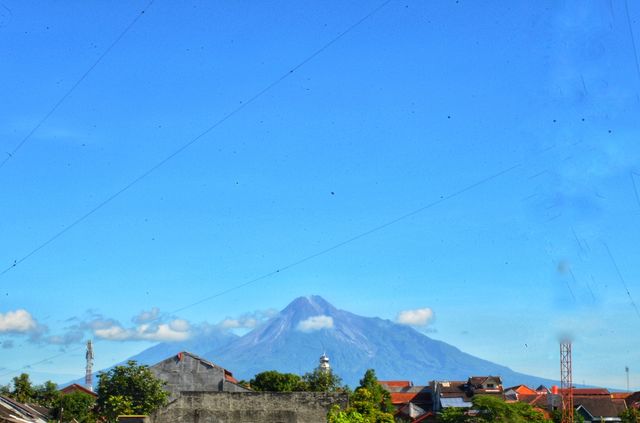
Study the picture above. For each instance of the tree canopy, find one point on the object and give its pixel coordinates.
(129, 389)
(76, 405)
(492, 409)
(275, 381)
(370, 403)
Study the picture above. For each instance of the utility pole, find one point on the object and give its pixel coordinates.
(626, 369)
(566, 381)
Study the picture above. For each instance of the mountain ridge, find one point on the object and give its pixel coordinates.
(294, 339)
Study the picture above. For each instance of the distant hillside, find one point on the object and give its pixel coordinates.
(353, 344)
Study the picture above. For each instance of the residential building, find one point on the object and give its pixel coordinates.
(413, 403)
(188, 372)
(12, 411)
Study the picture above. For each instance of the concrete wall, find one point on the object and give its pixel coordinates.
(190, 373)
(249, 407)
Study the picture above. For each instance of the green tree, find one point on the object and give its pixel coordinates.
(336, 415)
(47, 394)
(630, 415)
(76, 405)
(453, 415)
(370, 403)
(274, 381)
(556, 417)
(23, 390)
(129, 389)
(379, 395)
(492, 409)
(5, 390)
(322, 381)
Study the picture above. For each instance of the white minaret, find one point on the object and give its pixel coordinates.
(324, 363)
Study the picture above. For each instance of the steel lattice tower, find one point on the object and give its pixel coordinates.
(88, 377)
(566, 382)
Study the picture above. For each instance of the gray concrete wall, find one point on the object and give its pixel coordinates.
(249, 407)
(192, 374)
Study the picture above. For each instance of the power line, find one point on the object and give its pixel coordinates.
(353, 238)
(635, 188)
(197, 138)
(314, 255)
(9, 155)
(624, 283)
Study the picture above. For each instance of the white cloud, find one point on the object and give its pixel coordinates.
(247, 320)
(176, 330)
(18, 321)
(147, 316)
(417, 317)
(314, 323)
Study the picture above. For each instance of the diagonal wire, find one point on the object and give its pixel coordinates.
(633, 40)
(624, 283)
(197, 138)
(9, 155)
(635, 187)
(355, 237)
(314, 255)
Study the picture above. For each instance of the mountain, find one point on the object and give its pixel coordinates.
(205, 341)
(294, 339)
(353, 344)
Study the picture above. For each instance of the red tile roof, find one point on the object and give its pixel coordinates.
(406, 397)
(396, 383)
(588, 391)
(74, 387)
(522, 390)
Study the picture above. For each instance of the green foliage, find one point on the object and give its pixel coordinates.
(47, 394)
(322, 381)
(274, 381)
(630, 415)
(492, 409)
(379, 395)
(5, 390)
(130, 389)
(23, 390)
(453, 415)
(370, 403)
(336, 415)
(556, 417)
(76, 405)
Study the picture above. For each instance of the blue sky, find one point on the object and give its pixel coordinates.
(413, 105)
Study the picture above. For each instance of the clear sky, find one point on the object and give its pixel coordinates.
(422, 101)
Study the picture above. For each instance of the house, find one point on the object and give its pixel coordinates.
(12, 411)
(514, 392)
(412, 402)
(450, 393)
(633, 400)
(593, 404)
(485, 385)
(599, 408)
(74, 387)
(459, 393)
(188, 372)
(542, 402)
(543, 390)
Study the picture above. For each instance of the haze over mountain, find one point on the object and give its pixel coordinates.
(293, 340)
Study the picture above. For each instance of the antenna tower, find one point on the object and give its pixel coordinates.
(566, 382)
(88, 378)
